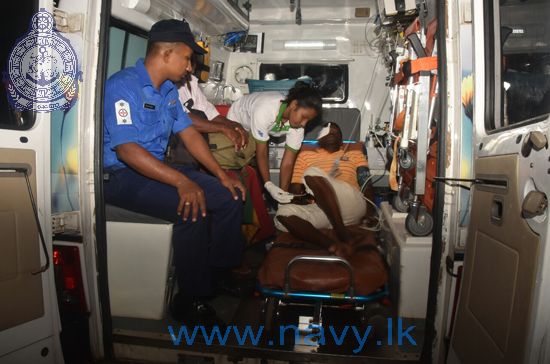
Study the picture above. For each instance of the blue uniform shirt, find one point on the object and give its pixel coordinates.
(136, 112)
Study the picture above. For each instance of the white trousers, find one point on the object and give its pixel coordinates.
(350, 200)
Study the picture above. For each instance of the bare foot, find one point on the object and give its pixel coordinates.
(341, 250)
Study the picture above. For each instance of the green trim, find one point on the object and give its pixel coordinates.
(282, 109)
(258, 141)
(279, 127)
(291, 149)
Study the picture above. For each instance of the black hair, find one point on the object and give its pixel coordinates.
(332, 125)
(306, 96)
(194, 60)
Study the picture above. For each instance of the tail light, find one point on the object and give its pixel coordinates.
(68, 279)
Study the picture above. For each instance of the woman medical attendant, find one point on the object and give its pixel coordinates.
(265, 114)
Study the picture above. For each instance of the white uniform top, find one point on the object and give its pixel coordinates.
(257, 113)
(200, 102)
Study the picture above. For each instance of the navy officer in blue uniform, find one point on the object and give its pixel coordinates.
(141, 109)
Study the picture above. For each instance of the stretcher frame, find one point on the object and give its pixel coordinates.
(367, 304)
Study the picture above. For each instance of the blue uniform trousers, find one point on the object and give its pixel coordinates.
(201, 247)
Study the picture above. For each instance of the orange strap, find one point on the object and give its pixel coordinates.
(423, 64)
(399, 121)
(413, 67)
(392, 180)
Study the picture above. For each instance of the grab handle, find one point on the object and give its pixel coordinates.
(497, 210)
(320, 259)
(7, 170)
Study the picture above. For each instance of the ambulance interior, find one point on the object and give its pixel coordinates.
(350, 52)
(382, 68)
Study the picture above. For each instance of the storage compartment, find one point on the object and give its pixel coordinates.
(139, 252)
(409, 259)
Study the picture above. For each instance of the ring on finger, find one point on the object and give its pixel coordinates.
(187, 203)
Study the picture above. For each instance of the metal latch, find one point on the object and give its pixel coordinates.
(534, 204)
(536, 140)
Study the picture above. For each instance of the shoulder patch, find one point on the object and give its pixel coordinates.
(123, 116)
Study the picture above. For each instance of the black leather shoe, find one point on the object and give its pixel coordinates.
(236, 288)
(194, 312)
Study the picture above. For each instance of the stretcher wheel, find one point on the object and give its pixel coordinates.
(421, 225)
(406, 160)
(398, 203)
(376, 316)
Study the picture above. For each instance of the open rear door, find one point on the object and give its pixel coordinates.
(503, 308)
(28, 309)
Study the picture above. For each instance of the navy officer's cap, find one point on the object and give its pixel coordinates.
(173, 30)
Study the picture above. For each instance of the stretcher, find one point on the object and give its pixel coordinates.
(299, 273)
(414, 149)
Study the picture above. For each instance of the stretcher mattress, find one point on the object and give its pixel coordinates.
(369, 268)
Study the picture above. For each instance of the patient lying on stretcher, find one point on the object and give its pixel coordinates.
(331, 177)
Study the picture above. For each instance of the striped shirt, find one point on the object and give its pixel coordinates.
(324, 160)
